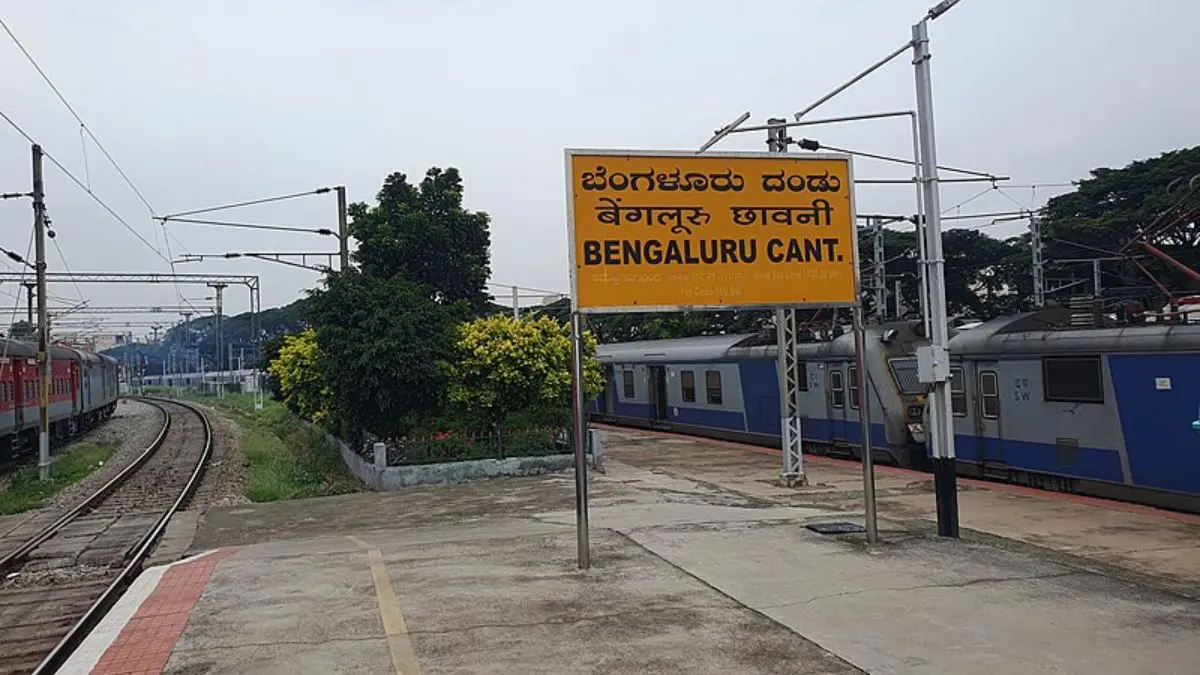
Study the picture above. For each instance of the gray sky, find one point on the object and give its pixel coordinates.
(220, 101)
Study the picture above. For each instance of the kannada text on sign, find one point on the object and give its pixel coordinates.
(712, 230)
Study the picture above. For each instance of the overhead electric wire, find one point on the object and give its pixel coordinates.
(83, 187)
(908, 162)
(967, 201)
(12, 318)
(83, 127)
(248, 226)
(252, 202)
(1086, 246)
(1009, 197)
(66, 267)
(74, 114)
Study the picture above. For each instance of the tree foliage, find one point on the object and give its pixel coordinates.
(505, 366)
(297, 368)
(423, 234)
(1109, 208)
(387, 326)
(383, 339)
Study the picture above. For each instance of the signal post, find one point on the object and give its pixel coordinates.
(680, 231)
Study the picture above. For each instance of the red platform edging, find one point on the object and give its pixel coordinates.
(145, 644)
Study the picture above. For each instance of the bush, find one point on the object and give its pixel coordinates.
(506, 367)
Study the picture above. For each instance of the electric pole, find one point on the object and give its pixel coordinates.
(220, 288)
(1039, 272)
(43, 353)
(516, 305)
(187, 341)
(343, 237)
(937, 356)
(791, 470)
(29, 288)
(880, 283)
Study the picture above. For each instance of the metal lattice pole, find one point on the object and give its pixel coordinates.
(878, 279)
(1039, 269)
(791, 440)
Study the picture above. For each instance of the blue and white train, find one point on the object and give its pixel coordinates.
(1101, 411)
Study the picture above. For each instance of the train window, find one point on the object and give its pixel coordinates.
(904, 371)
(1074, 379)
(837, 389)
(802, 373)
(989, 394)
(958, 392)
(853, 375)
(712, 383)
(627, 382)
(687, 385)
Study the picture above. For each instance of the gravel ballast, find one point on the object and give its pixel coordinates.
(132, 428)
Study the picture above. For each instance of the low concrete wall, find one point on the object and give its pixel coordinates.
(396, 477)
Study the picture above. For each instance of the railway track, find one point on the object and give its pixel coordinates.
(56, 586)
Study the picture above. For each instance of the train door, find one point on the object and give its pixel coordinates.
(604, 405)
(987, 416)
(658, 391)
(85, 382)
(837, 405)
(76, 377)
(21, 391)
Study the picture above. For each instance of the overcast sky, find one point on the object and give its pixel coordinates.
(213, 102)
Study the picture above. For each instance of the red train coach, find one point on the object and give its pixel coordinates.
(83, 392)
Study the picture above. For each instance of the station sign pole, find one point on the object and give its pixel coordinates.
(579, 438)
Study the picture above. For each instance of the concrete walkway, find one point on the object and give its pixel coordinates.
(697, 568)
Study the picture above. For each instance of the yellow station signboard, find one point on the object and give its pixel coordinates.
(663, 231)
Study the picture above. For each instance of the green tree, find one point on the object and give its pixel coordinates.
(297, 368)
(382, 340)
(423, 234)
(1109, 208)
(505, 368)
(270, 351)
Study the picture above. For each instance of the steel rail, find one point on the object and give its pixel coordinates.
(65, 647)
(14, 558)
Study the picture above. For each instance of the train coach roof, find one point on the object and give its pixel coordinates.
(63, 354)
(22, 349)
(89, 357)
(1048, 332)
(17, 349)
(702, 348)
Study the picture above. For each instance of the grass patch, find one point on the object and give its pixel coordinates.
(25, 491)
(287, 459)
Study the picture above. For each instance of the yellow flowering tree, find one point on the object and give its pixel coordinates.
(510, 369)
(300, 379)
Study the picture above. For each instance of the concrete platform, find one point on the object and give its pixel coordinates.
(700, 565)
